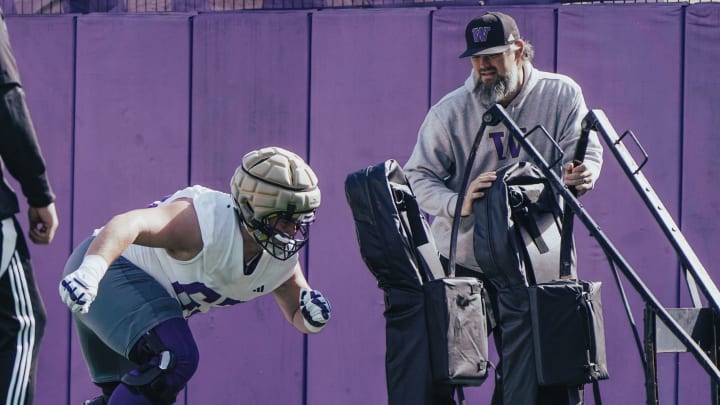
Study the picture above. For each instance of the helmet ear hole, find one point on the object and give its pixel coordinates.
(274, 180)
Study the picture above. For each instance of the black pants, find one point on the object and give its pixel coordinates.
(22, 320)
(407, 356)
(546, 395)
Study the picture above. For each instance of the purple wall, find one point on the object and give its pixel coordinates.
(698, 176)
(641, 93)
(131, 124)
(151, 103)
(361, 84)
(250, 350)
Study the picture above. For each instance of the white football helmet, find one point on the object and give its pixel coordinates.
(271, 189)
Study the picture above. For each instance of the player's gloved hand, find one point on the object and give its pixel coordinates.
(315, 309)
(79, 288)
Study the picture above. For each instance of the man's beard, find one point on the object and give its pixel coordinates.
(495, 91)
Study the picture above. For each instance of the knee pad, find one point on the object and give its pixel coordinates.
(167, 361)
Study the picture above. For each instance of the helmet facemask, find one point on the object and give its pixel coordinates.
(275, 195)
(282, 234)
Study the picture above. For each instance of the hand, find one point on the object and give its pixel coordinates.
(315, 309)
(580, 177)
(474, 191)
(43, 224)
(79, 288)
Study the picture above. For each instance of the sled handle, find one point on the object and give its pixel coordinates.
(486, 120)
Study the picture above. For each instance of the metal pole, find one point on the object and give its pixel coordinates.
(497, 114)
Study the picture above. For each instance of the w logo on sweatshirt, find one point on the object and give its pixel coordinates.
(505, 144)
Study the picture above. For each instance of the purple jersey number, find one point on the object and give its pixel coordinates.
(191, 294)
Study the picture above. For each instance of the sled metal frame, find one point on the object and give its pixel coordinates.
(670, 329)
(700, 323)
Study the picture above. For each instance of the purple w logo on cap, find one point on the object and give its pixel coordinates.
(480, 34)
(490, 34)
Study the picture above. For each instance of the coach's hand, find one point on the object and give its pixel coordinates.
(476, 189)
(580, 177)
(315, 309)
(79, 288)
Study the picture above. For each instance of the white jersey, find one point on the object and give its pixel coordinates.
(214, 277)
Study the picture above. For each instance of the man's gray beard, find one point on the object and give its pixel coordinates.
(492, 93)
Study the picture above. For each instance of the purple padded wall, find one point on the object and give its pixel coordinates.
(249, 90)
(132, 124)
(369, 93)
(364, 79)
(43, 50)
(700, 196)
(635, 78)
(700, 144)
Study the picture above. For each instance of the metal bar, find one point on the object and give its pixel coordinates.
(497, 114)
(713, 353)
(714, 386)
(461, 197)
(651, 386)
(598, 121)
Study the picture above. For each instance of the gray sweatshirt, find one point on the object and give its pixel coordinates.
(437, 164)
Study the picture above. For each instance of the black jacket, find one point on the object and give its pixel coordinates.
(19, 149)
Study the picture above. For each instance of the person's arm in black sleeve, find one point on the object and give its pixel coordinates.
(20, 149)
(23, 159)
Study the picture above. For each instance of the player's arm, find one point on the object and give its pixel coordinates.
(173, 226)
(306, 309)
(287, 297)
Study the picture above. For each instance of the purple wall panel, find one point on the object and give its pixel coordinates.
(249, 90)
(536, 24)
(43, 49)
(132, 123)
(700, 200)
(369, 94)
(616, 79)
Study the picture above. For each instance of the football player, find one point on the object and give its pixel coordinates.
(132, 285)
